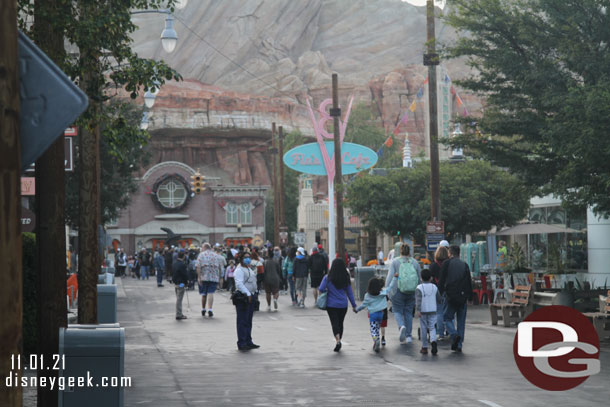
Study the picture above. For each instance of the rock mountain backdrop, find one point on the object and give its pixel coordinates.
(248, 63)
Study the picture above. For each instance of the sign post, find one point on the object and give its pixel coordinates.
(318, 158)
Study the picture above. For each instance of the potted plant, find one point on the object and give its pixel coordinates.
(517, 263)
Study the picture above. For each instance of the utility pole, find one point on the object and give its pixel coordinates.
(282, 192)
(50, 204)
(431, 59)
(335, 112)
(11, 279)
(276, 189)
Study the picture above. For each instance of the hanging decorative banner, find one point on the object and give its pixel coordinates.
(389, 141)
(413, 106)
(309, 159)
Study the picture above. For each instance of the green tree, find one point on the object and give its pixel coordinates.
(475, 197)
(100, 31)
(122, 154)
(543, 67)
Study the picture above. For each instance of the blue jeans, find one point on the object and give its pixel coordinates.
(159, 276)
(144, 272)
(293, 293)
(244, 323)
(402, 307)
(460, 314)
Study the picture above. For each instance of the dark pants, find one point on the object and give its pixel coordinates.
(159, 276)
(244, 322)
(337, 316)
(459, 312)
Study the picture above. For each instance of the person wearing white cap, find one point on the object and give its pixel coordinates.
(300, 274)
(444, 243)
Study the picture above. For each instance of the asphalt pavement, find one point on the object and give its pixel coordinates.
(195, 362)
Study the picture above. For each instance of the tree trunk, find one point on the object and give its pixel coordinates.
(88, 221)
(11, 280)
(50, 204)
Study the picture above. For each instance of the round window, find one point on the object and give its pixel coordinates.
(171, 192)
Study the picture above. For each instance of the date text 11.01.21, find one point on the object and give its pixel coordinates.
(38, 362)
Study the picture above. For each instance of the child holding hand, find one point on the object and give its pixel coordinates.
(376, 302)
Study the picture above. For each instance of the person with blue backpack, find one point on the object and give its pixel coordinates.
(403, 278)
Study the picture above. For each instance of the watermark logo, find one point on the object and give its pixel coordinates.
(556, 348)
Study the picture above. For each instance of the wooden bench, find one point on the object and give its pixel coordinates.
(516, 310)
(601, 319)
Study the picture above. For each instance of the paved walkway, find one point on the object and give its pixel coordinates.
(195, 362)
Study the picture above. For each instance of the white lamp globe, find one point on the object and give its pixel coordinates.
(169, 37)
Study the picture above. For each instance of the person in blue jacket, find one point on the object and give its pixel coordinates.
(338, 286)
(376, 301)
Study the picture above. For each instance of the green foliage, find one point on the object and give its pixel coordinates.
(474, 197)
(30, 313)
(105, 62)
(364, 127)
(122, 153)
(543, 67)
(517, 262)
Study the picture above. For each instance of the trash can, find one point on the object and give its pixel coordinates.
(362, 275)
(106, 303)
(96, 352)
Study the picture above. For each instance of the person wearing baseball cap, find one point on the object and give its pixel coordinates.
(444, 243)
(300, 273)
(324, 254)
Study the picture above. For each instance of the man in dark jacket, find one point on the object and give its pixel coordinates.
(180, 278)
(167, 253)
(300, 274)
(317, 268)
(456, 284)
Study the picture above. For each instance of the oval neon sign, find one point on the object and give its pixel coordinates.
(307, 158)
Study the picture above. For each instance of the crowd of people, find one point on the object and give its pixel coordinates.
(437, 295)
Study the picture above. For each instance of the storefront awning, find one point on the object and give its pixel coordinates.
(534, 229)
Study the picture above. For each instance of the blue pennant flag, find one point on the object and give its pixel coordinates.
(380, 152)
(447, 78)
(420, 93)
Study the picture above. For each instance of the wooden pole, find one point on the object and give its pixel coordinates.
(281, 181)
(11, 286)
(50, 233)
(276, 189)
(431, 60)
(336, 113)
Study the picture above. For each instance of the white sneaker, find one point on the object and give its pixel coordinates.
(403, 334)
(268, 308)
(409, 339)
(275, 304)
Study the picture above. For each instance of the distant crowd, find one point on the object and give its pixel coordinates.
(436, 295)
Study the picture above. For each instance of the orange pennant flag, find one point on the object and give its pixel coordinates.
(389, 141)
(459, 100)
(413, 106)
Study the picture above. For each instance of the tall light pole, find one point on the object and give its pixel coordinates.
(431, 60)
